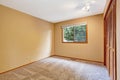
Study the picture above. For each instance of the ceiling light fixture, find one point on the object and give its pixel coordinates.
(86, 6)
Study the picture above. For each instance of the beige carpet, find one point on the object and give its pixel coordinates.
(58, 68)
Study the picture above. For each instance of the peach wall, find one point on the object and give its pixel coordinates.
(93, 50)
(23, 39)
(118, 39)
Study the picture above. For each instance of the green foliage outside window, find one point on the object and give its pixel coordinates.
(75, 34)
(69, 33)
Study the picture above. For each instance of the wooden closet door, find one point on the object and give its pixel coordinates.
(110, 40)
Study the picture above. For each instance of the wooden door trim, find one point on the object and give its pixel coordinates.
(105, 37)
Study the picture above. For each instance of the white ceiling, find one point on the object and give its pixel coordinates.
(56, 10)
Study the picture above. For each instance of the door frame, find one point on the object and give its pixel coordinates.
(105, 37)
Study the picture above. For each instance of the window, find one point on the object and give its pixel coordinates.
(75, 33)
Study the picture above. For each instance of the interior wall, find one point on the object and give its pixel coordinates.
(93, 50)
(118, 39)
(23, 39)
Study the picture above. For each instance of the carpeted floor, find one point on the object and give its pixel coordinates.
(58, 68)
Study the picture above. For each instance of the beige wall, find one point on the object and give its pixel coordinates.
(23, 39)
(93, 50)
(118, 39)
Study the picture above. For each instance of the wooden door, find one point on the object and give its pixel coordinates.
(110, 39)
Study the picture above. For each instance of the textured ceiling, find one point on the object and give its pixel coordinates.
(56, 10)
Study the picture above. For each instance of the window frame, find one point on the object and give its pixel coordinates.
(62, 30)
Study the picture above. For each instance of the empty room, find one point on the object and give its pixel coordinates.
(59, 39)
